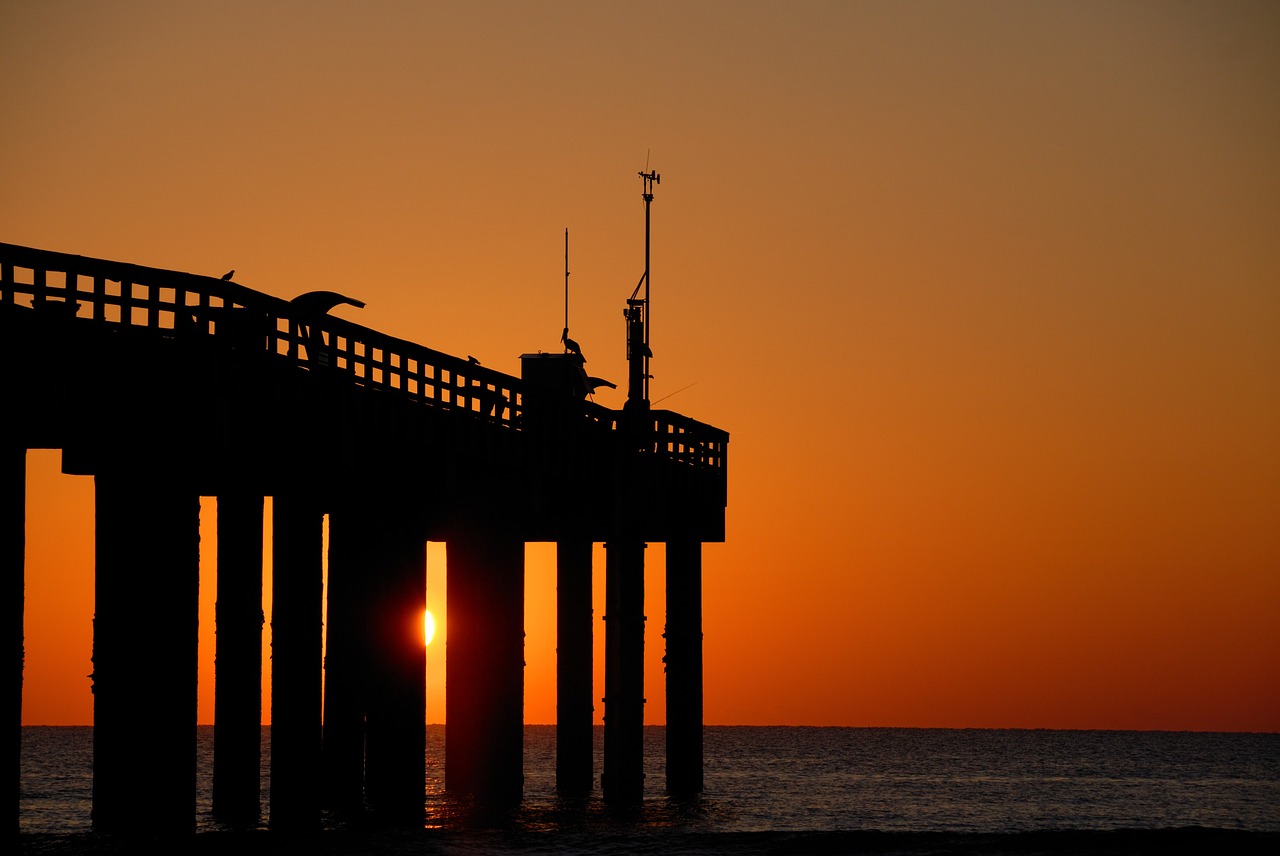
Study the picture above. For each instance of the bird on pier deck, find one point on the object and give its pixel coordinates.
(570, 345)
(226, 277)
(321, 302)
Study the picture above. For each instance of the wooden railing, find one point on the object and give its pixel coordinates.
(171, 304)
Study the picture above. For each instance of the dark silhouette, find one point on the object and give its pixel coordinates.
(226, 277)
(398, 443)
(320, 302)
(570, 346)
(594, 383)
(313, 304)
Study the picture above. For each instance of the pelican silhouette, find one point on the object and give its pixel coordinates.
(311, 305)
(570, 345)
(321, 302)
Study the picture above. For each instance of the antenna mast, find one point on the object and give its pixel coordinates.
(566, 286)
(637, 313)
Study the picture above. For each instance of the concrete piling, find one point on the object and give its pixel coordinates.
(146, 615)
(574, 704)
(484, 673)
(683, 661)
(13, 528)
(297, 596)
(237, 716)
(622, 780)
(395, 739)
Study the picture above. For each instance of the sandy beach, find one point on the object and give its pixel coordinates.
(655, 842)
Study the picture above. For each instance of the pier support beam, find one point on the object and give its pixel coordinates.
(484, 671)
(237, 706)
(296, 633)
(13, 529)
(684, 668)
(622, 780)
(146, 616)
(396, 712)
(347, 654)
(375, 664)
(574, 705)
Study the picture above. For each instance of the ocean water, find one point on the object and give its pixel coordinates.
(806, 779)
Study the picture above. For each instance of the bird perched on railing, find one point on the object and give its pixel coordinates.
(594, 383)
(226, 277)
(321, 302)
(311, 305)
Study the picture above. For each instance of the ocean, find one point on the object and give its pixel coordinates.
(806, 779)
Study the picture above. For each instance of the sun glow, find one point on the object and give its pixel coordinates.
(428, 627)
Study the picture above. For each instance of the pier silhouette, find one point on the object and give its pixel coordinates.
(167, 386)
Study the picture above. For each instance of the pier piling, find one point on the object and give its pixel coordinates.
(13, 529)
(237, 711)
(297, 596)
(484, 672)
(622, 780)
(144, 653)
(395, 739)
(574, 705)
(683, 661)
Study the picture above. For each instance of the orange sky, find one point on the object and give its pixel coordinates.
(987, 294)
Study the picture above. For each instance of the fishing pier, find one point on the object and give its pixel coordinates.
(166, 386)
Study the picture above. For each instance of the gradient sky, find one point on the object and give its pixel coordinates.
(987, 294)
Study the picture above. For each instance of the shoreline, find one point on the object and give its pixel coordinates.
(658, 842)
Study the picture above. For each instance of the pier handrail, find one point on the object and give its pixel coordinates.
(191, 307)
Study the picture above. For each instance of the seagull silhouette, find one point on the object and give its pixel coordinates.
(226, 277)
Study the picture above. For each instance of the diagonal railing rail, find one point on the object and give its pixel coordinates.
(143, 301)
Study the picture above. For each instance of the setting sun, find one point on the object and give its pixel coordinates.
(428, 626)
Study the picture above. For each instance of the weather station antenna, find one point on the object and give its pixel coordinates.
(564, 337)
(637, 314)
(570, 346)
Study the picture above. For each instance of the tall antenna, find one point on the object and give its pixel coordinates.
(638, 311)
(566, 282)
(570, 346)
(650, 179)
